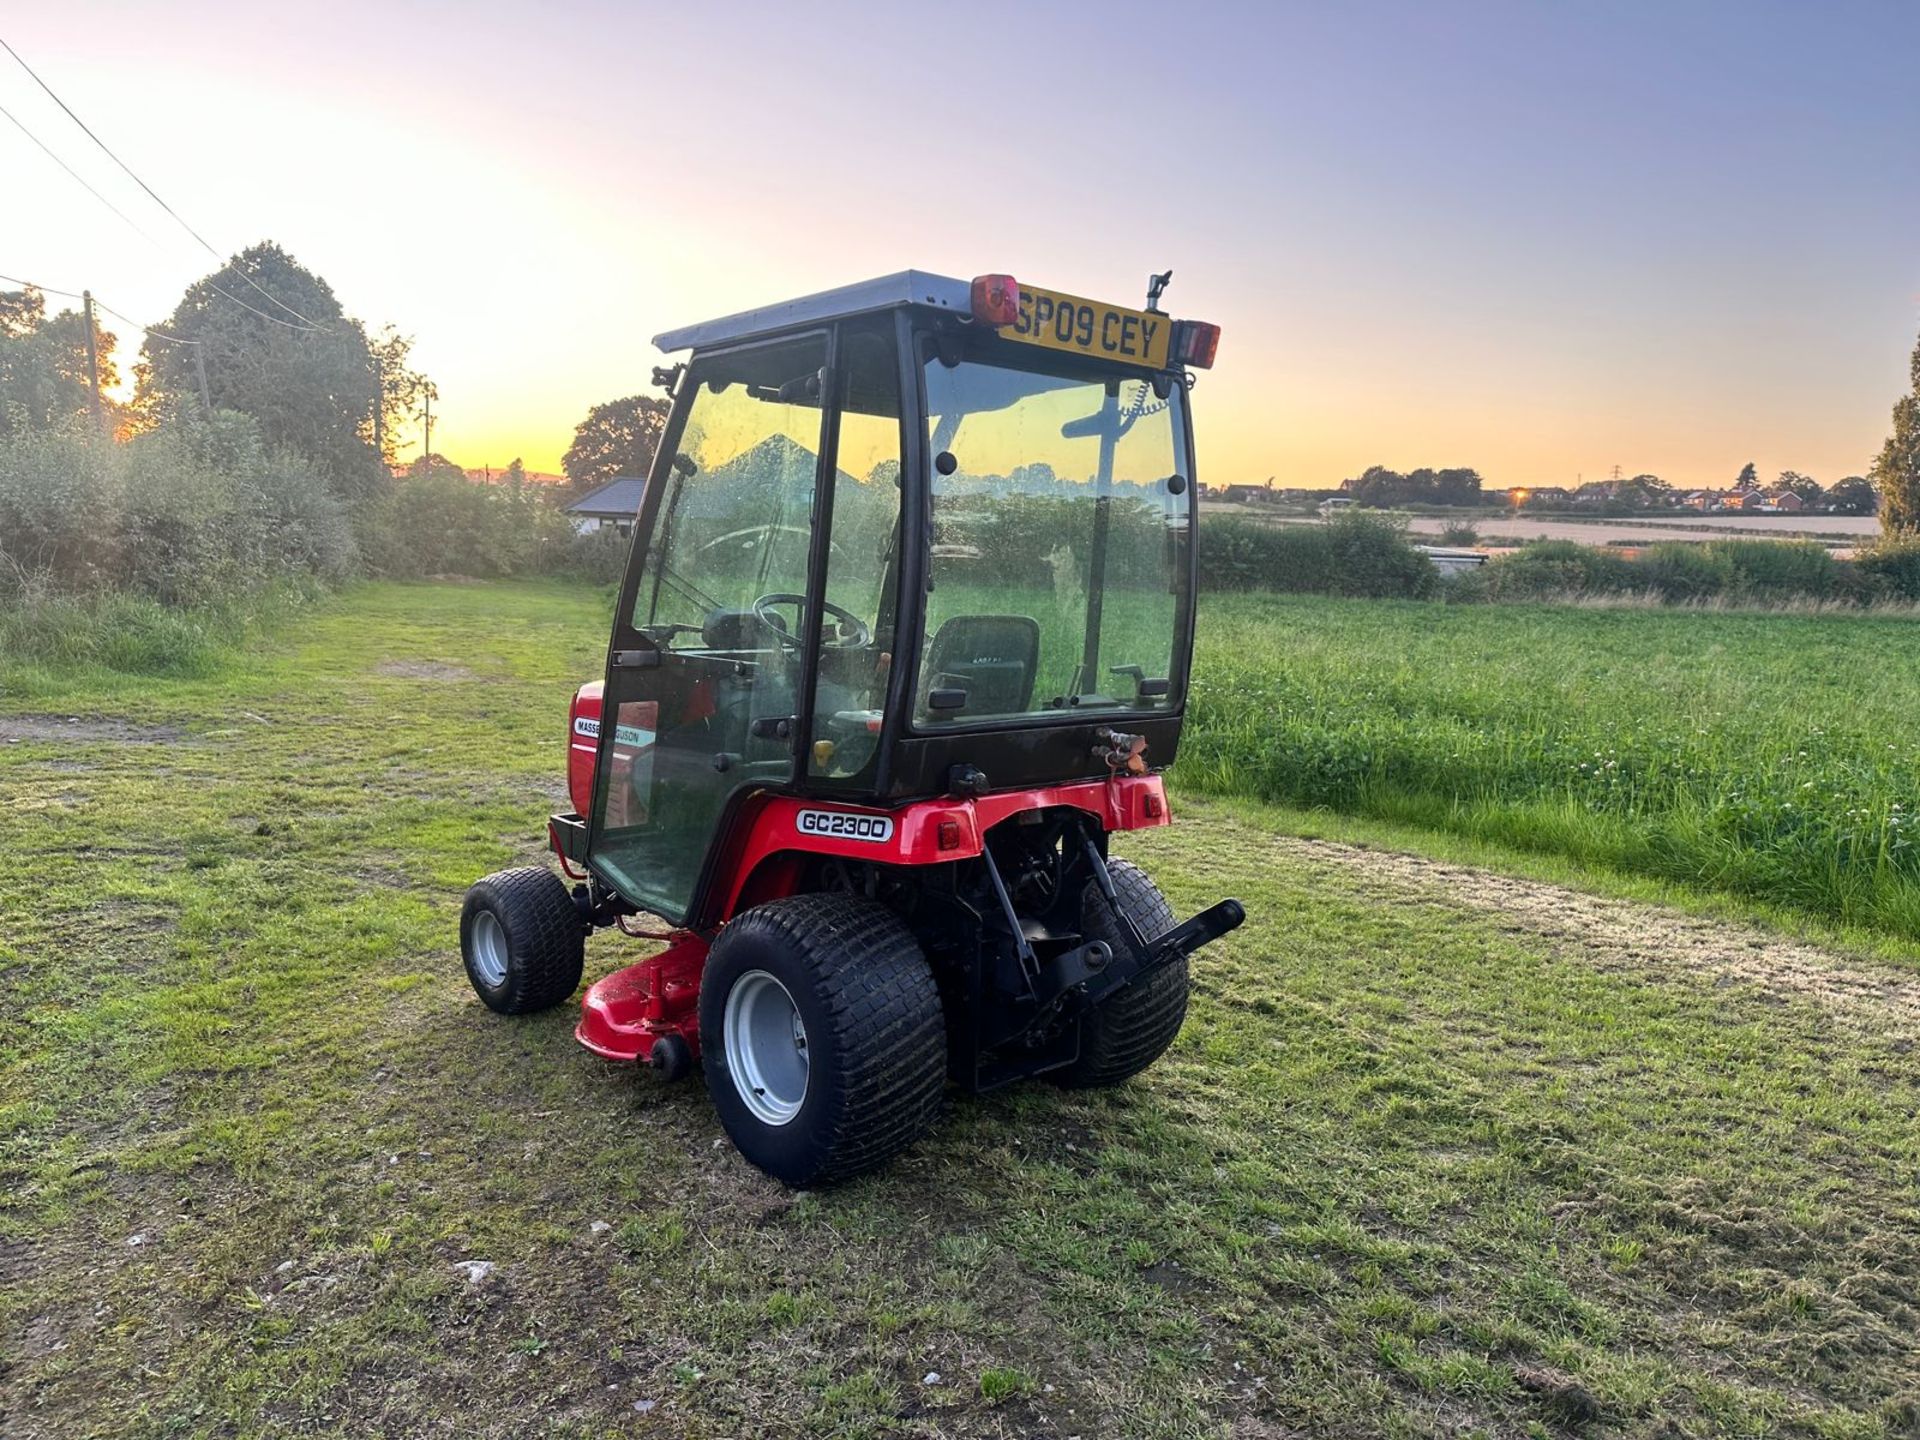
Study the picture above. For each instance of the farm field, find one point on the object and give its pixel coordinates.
(1440, 1151)
(1775, 757)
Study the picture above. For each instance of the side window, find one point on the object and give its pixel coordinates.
(736, 521)
(856, 630)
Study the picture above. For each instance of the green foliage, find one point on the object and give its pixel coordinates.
(1552, 569)
(1775, 756)
(597, 556)
(438, 522)
(617, 438)
(1894, 563)
(1853, 495)
(1774, 570)
(1678, 572)
(1378, 486)
(1459, 532)
(44, 382)
(1896, 471)
(188, 514)
(311, 388)
(1352, 554)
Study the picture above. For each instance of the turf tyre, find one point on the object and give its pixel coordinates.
(1128, 1033)
(523, 940)
(875, 1036)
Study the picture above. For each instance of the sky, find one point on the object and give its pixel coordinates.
(1539, 239)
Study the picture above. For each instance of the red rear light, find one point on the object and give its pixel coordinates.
(1198, 341)
(949, 834)
(996, 300)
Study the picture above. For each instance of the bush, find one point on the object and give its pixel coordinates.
(1678, 572)
(597, 556)
(1779, 569)
(442, 523)
(1553, 569)
(1372, 559)
(1352, 554)
(1892, 567)
(1459, 532)
(193, 511)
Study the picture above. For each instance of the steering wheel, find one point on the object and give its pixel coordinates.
(855, 633)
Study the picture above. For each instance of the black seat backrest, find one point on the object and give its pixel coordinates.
(994, 658)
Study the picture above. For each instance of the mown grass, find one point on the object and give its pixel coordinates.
(1775, 757)
(1413, 1168)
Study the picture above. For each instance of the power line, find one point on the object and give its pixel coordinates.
(108, 151)
(44, 289)
(252, 310)
(144, 329)
(70, 170)
(76, 295)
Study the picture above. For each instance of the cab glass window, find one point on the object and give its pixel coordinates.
(1061, 512)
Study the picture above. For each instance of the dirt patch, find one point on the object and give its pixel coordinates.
(1627, 936)
(423, 670)
(78, 730)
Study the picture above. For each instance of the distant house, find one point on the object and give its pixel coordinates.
(1704, 500)
(1245, 494)
(614, 506)
(1788, 503)
(1753, 500)
(1546, 496)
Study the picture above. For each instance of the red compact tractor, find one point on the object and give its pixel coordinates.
(903, 640)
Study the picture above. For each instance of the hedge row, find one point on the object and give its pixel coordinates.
(1367, 555)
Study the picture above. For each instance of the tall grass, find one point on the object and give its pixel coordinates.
(1775, 756)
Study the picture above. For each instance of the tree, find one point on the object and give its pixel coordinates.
(1748, 478)
(617, 438)
(436, 464)
(1852, 496)
(1805, 486)
(514, 477)
(277, 346)
(1896, 473)
(399, 388)
(43, 364)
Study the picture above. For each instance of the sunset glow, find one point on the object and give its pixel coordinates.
(1537, 241)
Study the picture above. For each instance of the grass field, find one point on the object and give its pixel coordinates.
(1437, 1154)
(1772, 756)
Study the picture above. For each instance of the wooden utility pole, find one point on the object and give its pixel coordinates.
(93, 361)
(200, 369)
(426, 445)
(379, 410)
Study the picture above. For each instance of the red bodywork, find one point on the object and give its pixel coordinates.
(625, 1014)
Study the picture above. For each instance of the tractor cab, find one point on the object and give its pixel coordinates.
(906, 624)
(904, 537)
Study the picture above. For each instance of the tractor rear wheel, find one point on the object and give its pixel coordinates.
(1128, 1033)
(523, 940)
(822, 1036)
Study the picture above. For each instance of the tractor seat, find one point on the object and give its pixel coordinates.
(992, 658)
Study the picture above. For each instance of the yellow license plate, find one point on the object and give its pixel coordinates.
(1088, 327)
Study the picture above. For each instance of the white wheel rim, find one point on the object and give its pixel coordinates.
(766, 1047)
(489, 949)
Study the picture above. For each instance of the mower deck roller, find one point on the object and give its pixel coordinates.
(903, 640)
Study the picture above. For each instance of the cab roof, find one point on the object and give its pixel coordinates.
(908, 287)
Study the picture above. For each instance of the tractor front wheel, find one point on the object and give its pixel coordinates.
(822, 1036)
(1128, 1033)
(523, 940)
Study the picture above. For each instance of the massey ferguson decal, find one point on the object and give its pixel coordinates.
(626, 734)
(842, 825)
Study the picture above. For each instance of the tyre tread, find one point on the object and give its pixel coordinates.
(546, 937)
(1132, 1029)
